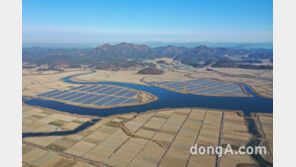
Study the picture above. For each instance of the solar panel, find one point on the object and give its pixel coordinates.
(56, 94)
(220, 84)
(203, 82)
(207, 83)
(192, 86)
(69, 94)
(196, 88)
(214, 84)
(204, 90)
(125, 91)
(173, 84)
(63, 95)
(231, 88)
(227, 93)
(78, 87)
(104, 90)
(111, 91)
(116, 101)
(130, 94)
(48, 93)
(168, 82)
(69, 98)
(215, 91)
(118, 90)
(87, 88)
(105, 100)
(94, 99)
(130, 101)
(80, 99)
(179, 85)
(197, 80)
(96, 88)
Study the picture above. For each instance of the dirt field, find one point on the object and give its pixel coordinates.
(34, 82)
(265, 126)
(45, 120)
(161, 137)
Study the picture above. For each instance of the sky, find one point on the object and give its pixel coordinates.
(105, 21)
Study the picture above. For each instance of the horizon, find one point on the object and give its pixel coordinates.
(70, 22)
(232, 45)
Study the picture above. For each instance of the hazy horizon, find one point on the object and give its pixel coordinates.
(114, 21)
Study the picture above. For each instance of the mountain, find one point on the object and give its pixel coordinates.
(124, 50)
(171, 51)
(126, 55)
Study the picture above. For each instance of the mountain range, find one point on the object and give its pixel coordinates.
(127, 55)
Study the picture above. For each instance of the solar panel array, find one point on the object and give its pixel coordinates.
(98, 95)
(203, 86)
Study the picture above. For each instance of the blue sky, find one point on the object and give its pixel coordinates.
(88, 21)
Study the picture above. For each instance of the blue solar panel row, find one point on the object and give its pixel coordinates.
(69, 98)
(204, 90)
(96, 89)
(116, 101)
(175, 84)
(130, 94)
(207, 83)
(104, 90)
(111, 91)
(48, 93)
(87, 88)
(105, 100)
(75, 88)
(68, 93)
(212, 84)
(231, 88)
(217, 84)
(179, 85)
(201, 81)
(94, 99)
(80, 99)
(192, 86)
(222, 86)
(125, 91)
(130, 101)
(215, 91)
(196, 88)
(56, 94)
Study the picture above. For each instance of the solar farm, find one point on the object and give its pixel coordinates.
(96, 95)
(203, 86)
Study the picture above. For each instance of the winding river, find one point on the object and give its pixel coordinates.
(166, 99)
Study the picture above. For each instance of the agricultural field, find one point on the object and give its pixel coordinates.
(36, 82)
(264, 122)
(155, 138)
(45, 120)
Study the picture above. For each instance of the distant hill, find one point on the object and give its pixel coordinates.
(151, 71)
(126, 55)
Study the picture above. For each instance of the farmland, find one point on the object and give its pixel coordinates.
(155, 138)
